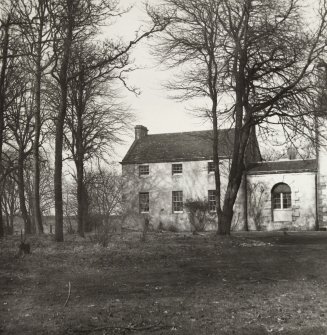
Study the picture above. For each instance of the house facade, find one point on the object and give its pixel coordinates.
(162, 171)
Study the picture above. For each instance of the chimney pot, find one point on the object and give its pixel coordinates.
(140, 131)
(291, 153)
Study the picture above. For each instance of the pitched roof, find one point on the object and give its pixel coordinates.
(287, 166)
(177, 147)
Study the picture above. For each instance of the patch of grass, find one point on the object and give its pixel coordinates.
(175, 283)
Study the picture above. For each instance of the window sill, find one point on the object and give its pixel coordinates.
(284, 221)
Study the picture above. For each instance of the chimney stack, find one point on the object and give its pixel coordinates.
(140, 131)
(291, 153)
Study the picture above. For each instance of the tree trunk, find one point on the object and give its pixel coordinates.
(245, 204)
(63, 78)
(2, 231)
(87, 227)
(229, 201)
(216, 163)
(7, 221)
(37, 118)
(80, 198)
(235, 179)
(36, 153)
(11, 218)
(241, 137)
(4, 65)
(59, 229)
(80, 156)
(22, 198)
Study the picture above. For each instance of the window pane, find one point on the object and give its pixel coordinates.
(143, 170)
(144, 202)
(282, 188)
(177, 201)
(177, 168)
(287, 203)
(212, 200)
(281, 196)
(211, 167)
(277, 201)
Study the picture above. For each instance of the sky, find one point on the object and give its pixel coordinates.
(153, 108)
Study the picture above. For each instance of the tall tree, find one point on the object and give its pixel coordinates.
(10, 70)
(64, 23)
(5, 24)
(95, 118)
(10, 206)
(9, 189)
(20, 139)
(35, 34)
(257, 56)
(75, 21)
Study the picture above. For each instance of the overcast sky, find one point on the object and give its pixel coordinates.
(153, 108)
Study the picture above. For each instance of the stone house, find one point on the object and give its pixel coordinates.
(162, 171)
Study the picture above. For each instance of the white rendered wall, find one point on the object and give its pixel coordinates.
(195, 181)
(322, 180)
(301, 216)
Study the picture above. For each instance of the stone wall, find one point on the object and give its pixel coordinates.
(302, 214)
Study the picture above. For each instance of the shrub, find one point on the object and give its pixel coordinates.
(172, 228)
(160, 226)
(70, 229)
(197, 211)
(102, 234)
(146, 227)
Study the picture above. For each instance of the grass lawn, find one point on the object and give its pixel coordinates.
(251, 283)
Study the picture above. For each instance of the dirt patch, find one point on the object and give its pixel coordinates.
(251, 283)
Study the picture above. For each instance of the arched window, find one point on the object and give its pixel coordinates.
(281, 196)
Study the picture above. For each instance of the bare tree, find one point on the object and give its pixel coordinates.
(34, 28)
(6, 21)
(10, 205)
(95, 118)
(20, 139)
(46, 185)
(9, 190)
(104, 188)
(256, 57)
(63, 24)
(74, 22)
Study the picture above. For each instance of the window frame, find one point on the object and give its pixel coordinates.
(212, 202)
(142, 203)
(211, 164)
(177, 200)
(144, 173)
(281, 200)
(175, 165)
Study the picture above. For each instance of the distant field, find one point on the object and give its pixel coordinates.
(252, 283)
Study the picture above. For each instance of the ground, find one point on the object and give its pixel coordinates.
(171, 283)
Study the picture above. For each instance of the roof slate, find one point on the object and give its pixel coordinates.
(177, 147)
(306, 165)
